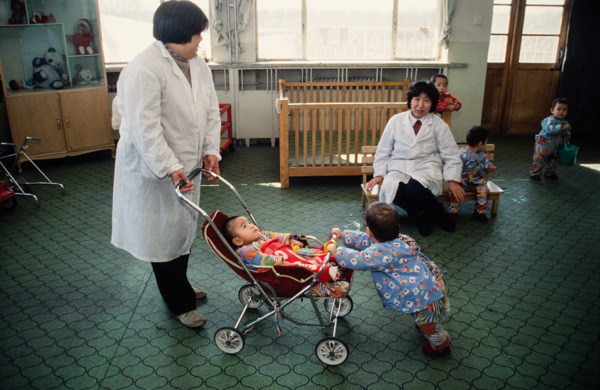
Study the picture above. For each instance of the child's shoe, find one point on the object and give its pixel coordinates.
(535, 177)
(430, 350)
(481, 217)
(334, 272)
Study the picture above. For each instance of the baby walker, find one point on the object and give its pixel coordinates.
(275, 287)
(18, 185)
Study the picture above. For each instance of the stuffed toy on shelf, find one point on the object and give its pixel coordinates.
(83, 38)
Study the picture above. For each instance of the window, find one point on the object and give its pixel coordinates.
(347, 30)
(127, 28)
(542, 20)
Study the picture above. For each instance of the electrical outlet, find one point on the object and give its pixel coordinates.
(477, 20)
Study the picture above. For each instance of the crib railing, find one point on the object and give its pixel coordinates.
(322, 126)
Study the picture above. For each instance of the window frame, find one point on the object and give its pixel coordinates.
(394, 39)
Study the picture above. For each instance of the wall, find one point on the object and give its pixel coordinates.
(469, 44)
(471, 25)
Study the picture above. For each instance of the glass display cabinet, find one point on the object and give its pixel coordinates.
(53, 76)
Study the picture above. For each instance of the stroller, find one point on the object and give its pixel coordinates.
(276, 287)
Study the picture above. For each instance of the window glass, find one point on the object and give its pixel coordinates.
(546, 2)
(127, 28)
(348, 29)
(501, 19)
(538, 49)
(542, 20)
(279, 29)
(355, 33)
(418, 30)
(497, 50)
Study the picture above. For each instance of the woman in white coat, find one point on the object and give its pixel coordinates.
(415, 154)
(170, 125)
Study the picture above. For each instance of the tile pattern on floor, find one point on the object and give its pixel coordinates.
(77, 313)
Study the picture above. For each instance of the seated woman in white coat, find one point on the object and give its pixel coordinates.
(415, 154)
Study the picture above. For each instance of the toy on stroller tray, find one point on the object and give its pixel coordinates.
(18, 185)
(274, 286)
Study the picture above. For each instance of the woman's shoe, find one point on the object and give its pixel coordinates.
(192, 319)
(200, 293)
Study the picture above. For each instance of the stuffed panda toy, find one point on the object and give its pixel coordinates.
(48, 71)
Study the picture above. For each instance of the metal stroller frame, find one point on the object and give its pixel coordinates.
(330, 350)
(19, 187)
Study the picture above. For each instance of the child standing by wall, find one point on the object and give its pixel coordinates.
(555, 129)
(446, 102)
(406, 280)
(475, 167)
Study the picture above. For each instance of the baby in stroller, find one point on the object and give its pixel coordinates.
(264, 248)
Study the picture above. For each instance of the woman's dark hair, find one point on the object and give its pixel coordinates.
(178, 21)
(383, 221)
(418, 87)
(435, 76)
(476, 135)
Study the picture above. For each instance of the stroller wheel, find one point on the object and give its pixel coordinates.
(332, 351)
(250, 295)
(344, 305)
(229, 340)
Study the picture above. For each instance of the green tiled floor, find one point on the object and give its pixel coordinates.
(77, 313)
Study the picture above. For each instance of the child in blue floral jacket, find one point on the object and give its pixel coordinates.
(405, 279)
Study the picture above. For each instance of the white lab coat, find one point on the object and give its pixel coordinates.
(429, 157)
(166, 125)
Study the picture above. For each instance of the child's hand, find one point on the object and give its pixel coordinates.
(294, 243)
(492, 168)
(331, 248)
(337, 232)
(565, 127)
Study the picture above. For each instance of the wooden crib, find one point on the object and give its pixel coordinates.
(323, 125)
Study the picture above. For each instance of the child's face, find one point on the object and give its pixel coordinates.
(420, 105)
(559, 111)
(441, 84)
(244, 232)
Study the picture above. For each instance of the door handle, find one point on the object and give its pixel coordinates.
(559, 60)
(58, 124)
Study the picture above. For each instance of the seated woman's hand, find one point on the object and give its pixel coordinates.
(374, 181)
(456, 190)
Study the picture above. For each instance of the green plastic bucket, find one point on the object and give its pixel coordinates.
(567, 154)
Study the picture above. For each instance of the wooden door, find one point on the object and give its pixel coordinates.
(524, 64)
(86, 117)
(37, 115)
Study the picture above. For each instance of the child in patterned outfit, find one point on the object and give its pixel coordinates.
(554, 129)
(265, 248)
(475, 166)
(440, 81)
(406, 280)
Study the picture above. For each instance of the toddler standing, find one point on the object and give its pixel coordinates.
(406, 280)
(554, 129)
(474, 178)
(446, 101)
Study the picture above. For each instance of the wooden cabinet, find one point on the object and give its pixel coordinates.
(59, 40)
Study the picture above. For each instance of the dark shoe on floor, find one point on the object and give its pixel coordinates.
(552, 176)
(200, 293)
(535, 177)
(428, 349)
(447, 222)
(453, 217)
(481, 217)
(192, 319)
(424, 224)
